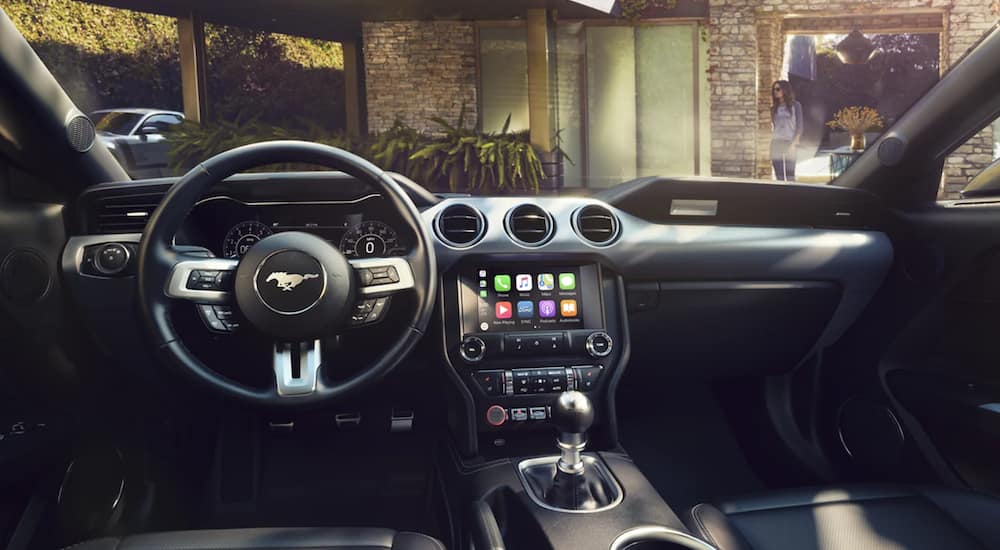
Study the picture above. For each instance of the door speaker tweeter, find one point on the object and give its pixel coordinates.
(24, 276)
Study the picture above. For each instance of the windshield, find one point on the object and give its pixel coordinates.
(498, 99)
(115, 123)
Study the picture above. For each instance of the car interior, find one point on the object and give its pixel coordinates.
(247, 359)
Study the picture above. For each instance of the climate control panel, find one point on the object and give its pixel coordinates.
(499, 383)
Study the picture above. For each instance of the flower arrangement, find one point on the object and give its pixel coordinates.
(856, 121)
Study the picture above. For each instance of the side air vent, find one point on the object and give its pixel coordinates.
(529, 225)
(125, 213)
(597, 224)
(460, 225)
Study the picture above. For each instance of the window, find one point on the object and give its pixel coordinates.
(115, 122)
(162, 123)
(973, 158)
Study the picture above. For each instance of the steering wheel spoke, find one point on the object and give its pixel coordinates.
(202, 280)
(296, 368)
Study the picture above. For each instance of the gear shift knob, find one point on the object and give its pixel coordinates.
(573, 413)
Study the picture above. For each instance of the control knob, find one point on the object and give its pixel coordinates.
(599, 344)
(473, 349)
(111, 258)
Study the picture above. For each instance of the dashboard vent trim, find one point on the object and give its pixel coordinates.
(597, 224)
(124, 213)
(529, 225)
(460, 225)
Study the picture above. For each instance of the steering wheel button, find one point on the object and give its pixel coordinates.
(392, 274)
(366, 276)
(378, 309)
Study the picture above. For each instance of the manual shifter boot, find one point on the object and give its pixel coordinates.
(576, 492)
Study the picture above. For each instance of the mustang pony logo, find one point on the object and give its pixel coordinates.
(288, 281)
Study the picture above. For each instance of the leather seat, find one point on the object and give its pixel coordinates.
(870, 517)
(269, 539)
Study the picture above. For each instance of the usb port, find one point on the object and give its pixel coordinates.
(538, 413)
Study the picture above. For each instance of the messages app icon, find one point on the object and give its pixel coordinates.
(567, 281)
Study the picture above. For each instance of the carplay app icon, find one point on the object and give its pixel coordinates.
(501, 283)
(504, 310)
(525, 309)
(547, 309)
(523, 283)
(546, 281)
(567, 281)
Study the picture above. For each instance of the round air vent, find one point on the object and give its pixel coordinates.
(529, 225)
(460, 225)
(597, 224)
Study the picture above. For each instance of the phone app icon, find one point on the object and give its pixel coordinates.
(525, 309)
(482, 293)
(504, 310)
(546, 281)
(567, 281)
(568, 308)
(523, 282)
(501, 283)
(547, 309)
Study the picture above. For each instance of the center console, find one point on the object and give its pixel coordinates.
(526, 332)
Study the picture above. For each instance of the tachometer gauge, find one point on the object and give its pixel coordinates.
(369, 239)
(242, 236)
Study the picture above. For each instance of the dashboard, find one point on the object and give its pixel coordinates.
(361, 227)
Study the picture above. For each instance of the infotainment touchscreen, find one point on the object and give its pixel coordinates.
(527, 297)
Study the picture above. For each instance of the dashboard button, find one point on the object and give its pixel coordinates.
(519, 414)
(491, 381)
(538, 413)
(587, 377)
(496, 415)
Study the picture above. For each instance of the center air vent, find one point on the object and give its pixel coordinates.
(460, 225)
(529, 225)
(597, 224)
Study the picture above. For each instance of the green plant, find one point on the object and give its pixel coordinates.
(459, 158)
(464, 158)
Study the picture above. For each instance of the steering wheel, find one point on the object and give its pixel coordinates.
(293, 287)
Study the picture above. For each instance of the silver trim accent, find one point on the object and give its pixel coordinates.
(615, 232)
(310, 359)
(694, 207)
(548, 235)
(658, 532)
(176, 286)
(447, 242)
(589, 344)
(571, 453)
(402, 269)
(280, 203)
(591, 463)
(97, 259)
(991, 407)
(461, 350)
(256, 290)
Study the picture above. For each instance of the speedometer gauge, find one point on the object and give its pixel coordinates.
(369, 239)
(242, 236)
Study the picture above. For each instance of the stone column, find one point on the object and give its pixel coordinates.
(733, 82)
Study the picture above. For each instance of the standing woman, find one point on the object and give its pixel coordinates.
(786, 122)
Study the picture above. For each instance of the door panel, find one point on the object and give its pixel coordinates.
(943, 370)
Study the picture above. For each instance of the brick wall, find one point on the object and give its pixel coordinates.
(740, 80)
(418, 69)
